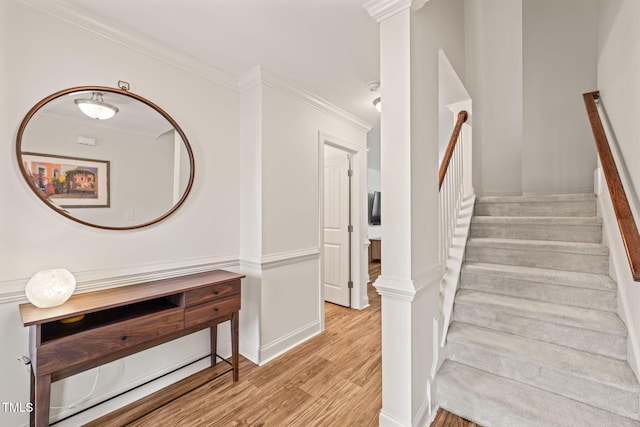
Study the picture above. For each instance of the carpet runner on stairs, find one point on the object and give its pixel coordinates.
(535, 338)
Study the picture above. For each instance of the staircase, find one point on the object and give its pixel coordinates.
(535, 338)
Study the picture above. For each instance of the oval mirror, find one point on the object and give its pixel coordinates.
(122, 172)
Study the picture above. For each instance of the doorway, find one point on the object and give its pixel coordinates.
(337, 277)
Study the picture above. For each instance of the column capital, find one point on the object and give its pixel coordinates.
(383, 9)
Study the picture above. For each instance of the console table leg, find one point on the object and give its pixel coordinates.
(234, 345)
(32, 397)
(214, 344)
(41, 400)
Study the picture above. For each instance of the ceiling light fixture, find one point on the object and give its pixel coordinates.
(374, 86)
(96, 108)
(378, 104)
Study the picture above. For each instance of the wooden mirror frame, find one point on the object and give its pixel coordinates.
(27, 176)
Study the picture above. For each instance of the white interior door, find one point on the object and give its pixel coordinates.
(336, 250)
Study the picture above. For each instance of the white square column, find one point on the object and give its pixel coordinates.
(411, 272)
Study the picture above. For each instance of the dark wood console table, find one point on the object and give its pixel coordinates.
(122, 321)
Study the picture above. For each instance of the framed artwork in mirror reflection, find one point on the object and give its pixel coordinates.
(69, 182)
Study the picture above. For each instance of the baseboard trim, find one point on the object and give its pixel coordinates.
(283, 344)
(386, 420)
(250, 350)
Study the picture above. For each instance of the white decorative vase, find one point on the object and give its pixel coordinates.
(50, 288)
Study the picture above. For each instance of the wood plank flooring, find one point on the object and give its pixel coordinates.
(333, 379)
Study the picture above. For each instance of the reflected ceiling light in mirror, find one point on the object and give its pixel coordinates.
(96, 108)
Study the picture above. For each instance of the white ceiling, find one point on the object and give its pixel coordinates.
(328, 47)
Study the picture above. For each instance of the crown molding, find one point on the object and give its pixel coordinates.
(91, 22)
(259, 75)
(88, 21)
(384, 9)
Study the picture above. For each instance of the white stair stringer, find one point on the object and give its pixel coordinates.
(535, 338)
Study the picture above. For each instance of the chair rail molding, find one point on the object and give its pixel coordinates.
(279, 259)
(93, 280)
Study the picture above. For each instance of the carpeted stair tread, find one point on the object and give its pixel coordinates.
(590, 335)
(595, 320)
(544, 275)
(540, 245)
(580, 197)
(572, 205)
(574, 229)
(599, 381)
(538, 220)
(557, 255)
(577, 289)
(494, 401)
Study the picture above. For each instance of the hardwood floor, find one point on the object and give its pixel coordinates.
(447, 419)
(333, 379)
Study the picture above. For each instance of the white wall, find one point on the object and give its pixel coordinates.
(283, 135)
(559, 63)
(438, 29)
(263, 209)
(618, 71)
(494, 80)
(451, 91)
(44, 55)
(528, 63)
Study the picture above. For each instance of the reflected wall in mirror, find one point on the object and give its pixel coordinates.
(128, 171)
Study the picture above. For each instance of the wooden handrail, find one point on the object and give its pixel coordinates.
(626, 223)
(462, 117)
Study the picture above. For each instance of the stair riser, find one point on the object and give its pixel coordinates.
(463, 403)
(566, 261)
(563, 209)
(621, 402)
(582, 233)
(614, 346)
(558, 294)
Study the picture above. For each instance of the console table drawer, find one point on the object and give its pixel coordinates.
(90, 344)
(203, 313)
(208, 293)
